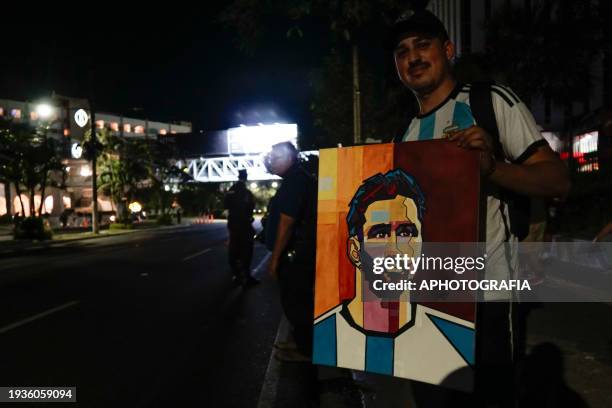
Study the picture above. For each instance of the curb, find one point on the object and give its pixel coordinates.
(15, 247)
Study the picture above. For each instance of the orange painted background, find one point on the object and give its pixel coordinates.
(335, 276)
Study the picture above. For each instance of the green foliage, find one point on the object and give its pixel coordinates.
(33, 228)
(29, 159)
(121, 166)
(563, 37)
(348, 24)
(344, 20)
(164, 172)
(262, 195)
(385, 103)
(196, 198)
(136, 169)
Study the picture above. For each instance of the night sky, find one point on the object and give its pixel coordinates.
(168, 66)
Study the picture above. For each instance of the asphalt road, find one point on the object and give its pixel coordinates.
(149, 319)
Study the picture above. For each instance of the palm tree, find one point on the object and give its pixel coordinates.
(121, 166)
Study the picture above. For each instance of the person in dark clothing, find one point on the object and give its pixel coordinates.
(240, 203)
(292, 239)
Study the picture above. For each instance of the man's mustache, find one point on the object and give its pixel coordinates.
(417, 65)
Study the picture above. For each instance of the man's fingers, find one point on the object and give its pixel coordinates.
(475, 141)
(477, 145)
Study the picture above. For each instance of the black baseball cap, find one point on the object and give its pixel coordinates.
(415, 22)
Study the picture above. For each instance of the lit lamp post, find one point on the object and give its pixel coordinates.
(81, 118)
(94, 183)
(44, 110)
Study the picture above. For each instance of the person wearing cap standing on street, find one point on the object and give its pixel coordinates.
(239, 202)
(517, 159)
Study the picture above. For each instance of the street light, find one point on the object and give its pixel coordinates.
(44, 110)
(135, 207)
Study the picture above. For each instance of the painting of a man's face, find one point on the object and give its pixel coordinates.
(393, 226)
(385, 221)
(386, 214)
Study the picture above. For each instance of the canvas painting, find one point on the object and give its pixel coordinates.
(381, 201)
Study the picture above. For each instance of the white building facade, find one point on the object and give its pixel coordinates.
(77, 195)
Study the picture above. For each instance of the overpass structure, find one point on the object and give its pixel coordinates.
(225, 168)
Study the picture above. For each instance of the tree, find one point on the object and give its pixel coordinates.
(196, 198)
(385, 112)
(563, 37)
(122, 167)
(31, 161)
(14, 143)
(351, 26)
(164, 174)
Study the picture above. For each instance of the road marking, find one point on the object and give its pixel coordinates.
(38, 316)
(196, 254)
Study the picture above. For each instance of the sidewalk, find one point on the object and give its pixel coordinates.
(291, 385)
(8, 245)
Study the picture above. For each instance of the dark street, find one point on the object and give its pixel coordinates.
(142, 320)
(151, 319)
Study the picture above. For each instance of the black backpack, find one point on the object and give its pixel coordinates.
(481, 105)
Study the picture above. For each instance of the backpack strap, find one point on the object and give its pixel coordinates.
(481, 104)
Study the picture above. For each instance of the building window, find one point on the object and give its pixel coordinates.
(3, 203)
(114, 126)
(67, 202)
(47, 207)
(586, 143)
(100, 124)
(173, 132)
(33, 115)
(16, 113)
(139, 129)
(85, 171)
(1, 111)
(584, 151)
(163, 132)
(127, 128)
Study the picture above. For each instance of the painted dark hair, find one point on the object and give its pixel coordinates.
(382, 187)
